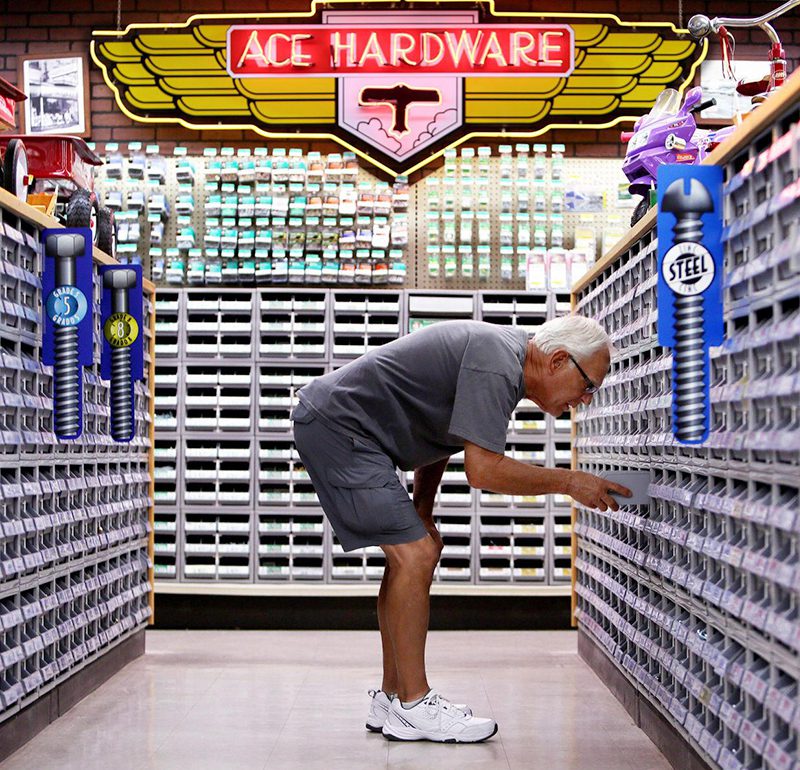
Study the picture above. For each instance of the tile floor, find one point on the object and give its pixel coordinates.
(294, 700)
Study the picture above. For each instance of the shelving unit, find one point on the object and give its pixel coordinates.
(228, 455)
(691, 606)
(75, 516)
(364, 320)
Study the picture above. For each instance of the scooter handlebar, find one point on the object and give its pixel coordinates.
(626, 136)
(703, 105)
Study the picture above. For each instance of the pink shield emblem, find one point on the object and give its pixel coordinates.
(400, 115)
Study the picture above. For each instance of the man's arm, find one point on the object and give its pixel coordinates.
(426, 482)
(498, 473)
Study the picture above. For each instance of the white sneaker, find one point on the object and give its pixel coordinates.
(379, 710)
(434, 718)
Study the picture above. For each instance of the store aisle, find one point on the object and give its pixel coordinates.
(293, 699)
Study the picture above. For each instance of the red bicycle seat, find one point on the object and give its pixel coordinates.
(754, 88)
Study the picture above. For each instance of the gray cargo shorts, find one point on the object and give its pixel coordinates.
(357, 485)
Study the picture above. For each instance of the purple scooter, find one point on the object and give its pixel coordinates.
(667, 134)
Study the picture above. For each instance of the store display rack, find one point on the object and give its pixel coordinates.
(692, 604)
(233, 502)
(75, 516)
(517, 216)
(279, 217)
(255, 216)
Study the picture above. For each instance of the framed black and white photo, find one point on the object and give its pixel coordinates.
(57, 86)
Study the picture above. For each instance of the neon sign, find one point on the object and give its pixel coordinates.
(475, 50)
(397, 87)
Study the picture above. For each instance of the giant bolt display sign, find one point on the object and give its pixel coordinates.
(68, 322)
(690, 264)
(123, 355)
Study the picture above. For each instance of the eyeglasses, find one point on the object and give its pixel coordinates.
(590, 386)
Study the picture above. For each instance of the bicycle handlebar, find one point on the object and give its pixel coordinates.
(701, 26)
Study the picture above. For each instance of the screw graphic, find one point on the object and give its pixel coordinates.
(688, 269)
(119, 281)
(67, 307)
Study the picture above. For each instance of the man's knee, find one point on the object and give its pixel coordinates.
(420, 556)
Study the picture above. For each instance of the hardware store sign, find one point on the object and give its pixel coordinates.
(397, 87)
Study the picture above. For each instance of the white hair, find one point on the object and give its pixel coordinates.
(581, 337)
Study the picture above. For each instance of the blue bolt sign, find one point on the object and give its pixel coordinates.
(68, 321)
(122, 359)
(690, 265)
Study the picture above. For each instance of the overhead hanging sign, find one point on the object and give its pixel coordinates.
(396, 87)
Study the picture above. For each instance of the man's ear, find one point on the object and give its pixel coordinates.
(558, 359)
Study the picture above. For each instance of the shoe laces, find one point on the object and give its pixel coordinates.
(436, 703)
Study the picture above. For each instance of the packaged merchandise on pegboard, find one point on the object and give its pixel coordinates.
(513, 216)
(256, 216)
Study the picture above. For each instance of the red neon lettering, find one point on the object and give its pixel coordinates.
(318, 49)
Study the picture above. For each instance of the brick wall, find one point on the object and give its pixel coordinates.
(55, 26)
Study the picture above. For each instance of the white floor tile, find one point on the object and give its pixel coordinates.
(297, 700)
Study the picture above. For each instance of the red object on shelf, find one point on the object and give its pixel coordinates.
(9, 96)
(56, 156)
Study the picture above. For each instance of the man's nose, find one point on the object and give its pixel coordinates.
(586, 398)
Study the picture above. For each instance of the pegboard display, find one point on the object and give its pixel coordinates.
(696, 596)
(74, 515)
(233, 501)
(255, 217)
(492, 217)
(486, 220)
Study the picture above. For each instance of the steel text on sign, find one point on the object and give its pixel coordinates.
(489, 49)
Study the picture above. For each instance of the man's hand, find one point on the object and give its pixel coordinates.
(433, 532)
(426, 483)
(594, 491)
(498, 473)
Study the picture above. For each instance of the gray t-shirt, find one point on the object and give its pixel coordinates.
(421, 396)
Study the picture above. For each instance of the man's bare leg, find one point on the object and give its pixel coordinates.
(389, 684)
(406, 610)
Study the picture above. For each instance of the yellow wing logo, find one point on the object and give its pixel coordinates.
(179, 73)
(169, 76)
(615, 70)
